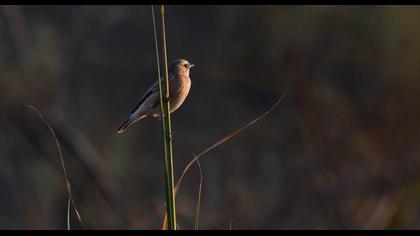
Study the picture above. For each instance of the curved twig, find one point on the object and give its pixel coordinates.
(63, 166)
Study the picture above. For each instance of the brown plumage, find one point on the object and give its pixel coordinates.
(149, 105)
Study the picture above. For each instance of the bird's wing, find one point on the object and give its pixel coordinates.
(154, 88)
(149, 92)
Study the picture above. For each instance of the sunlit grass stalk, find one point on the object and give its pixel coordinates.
(218, 143)
(70, 201)
(200, 187)
(166, 125)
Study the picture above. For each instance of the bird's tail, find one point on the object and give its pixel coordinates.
(127, 123)
(124, 126)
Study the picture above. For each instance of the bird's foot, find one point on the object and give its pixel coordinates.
(170, 138)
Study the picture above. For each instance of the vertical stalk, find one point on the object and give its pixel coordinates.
(169, 165)
(166, 127)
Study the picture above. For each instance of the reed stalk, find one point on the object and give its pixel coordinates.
(166, 125)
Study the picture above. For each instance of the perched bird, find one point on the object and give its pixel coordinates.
(149, 105)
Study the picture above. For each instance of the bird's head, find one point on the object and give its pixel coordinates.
(181, 65)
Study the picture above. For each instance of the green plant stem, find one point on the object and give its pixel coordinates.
(167, 134)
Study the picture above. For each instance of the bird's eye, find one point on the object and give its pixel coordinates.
(186, 65)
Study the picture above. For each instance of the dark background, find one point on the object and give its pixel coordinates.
(341, 151)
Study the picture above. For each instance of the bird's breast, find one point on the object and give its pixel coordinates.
(180, 89)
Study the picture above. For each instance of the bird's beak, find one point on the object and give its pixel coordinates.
(191, 66)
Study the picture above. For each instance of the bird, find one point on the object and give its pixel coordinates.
(149, 105)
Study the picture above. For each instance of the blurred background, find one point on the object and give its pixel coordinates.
(341, 151)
